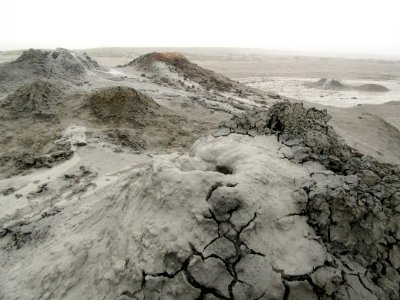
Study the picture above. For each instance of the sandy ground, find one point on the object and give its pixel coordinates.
(390, 111)
(363, 129)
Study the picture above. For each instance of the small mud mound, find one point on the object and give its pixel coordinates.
(134, 121)
(61, 63)
(329, 84)
(372, 88)
(334, 84)
(22, 149)
(172, 58)
(122, 104)
(39, 98)
(177, 63)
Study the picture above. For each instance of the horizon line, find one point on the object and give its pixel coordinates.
(285, 52)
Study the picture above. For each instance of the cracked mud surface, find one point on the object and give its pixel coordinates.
(179, 229)
(353, 205)
(213, 269)
(242, 217)
(273, 205)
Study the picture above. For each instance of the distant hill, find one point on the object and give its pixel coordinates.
(33, 64)
(334, 84)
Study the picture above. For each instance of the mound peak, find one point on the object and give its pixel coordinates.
(61, 55)
(119, 104)
(173, 58)
(330, 84)
(177, 63)
(60, 63)
(32, 55)
(39, 97)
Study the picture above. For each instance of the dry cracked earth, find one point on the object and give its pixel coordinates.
(162, 180)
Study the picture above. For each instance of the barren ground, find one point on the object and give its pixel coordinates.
(131, 182)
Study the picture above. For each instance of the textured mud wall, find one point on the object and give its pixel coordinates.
(354, 206)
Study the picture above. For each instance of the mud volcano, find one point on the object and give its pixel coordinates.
(60, 64)
(122, 104)
(180, 64)
(334, 84)
(371, 87)
(329, 84)
(37, 98)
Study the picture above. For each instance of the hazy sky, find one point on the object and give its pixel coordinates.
(341, 26)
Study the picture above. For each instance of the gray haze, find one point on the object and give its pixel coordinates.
(357, 26)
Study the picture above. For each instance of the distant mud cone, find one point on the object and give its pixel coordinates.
(372, 88)
(179, 64)
(334, 84)
(59, 64)
(329, 84)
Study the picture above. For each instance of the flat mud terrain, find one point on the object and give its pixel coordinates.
(141, 173)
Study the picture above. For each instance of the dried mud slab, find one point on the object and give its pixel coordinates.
(353, 206)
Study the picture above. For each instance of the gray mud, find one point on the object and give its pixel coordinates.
(354, 206)
(272, 205)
